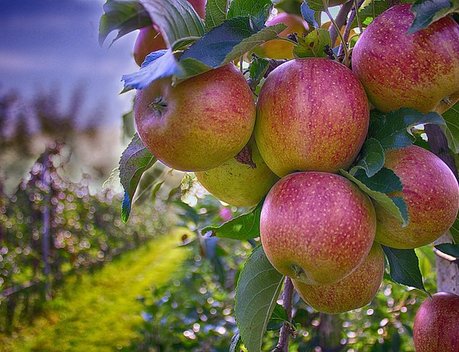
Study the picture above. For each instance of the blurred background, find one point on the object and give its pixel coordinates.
(73, 277)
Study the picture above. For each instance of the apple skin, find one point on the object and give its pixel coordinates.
(278, 48)
(150, 38)
(354, 291)
(436, 324)
(312, 114)
(316, 227)
(431, 193)
(198, 124)
(239, 184)
(399, 69)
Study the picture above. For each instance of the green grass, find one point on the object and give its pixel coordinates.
(100, 312)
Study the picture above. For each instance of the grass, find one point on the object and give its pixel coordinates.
(100, 312)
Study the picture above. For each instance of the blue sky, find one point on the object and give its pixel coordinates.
(53, 44)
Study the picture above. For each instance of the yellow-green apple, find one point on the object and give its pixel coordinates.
(198, 124)
(399, 69)
(312, 114)
(431, 194)
(354, 291)
(279, 48)
(436, 324)
(150, 38)
(237, 183)
(316, 227)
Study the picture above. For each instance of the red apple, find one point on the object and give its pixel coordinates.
(312, 115)
(150, 38)
(399, 69)
(239, 184)
(278, 48)
(431, 193)
(198, 124)
(316, 227)
(354, 291)
(436, 325)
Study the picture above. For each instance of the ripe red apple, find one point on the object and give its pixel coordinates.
(198, 124)
(399, 69)
(150, 38)
(312, 115)
(431, 193)
(316, 227)
(278, 48)
(354, 291)
(239, 184)
(436, 325)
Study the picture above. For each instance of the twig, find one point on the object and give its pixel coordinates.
(340, 20)
(445, 256)
(347, 30)
(286, 330)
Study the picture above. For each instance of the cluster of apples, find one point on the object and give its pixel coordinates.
(310, 120)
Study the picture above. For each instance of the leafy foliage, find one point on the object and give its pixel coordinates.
(135, 160)
(372, 157)
(404, 267)
(449, 248)
(429, 11)
(452, 127)
(215, 13)
(315, 44)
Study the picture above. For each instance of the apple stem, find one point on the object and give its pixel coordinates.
(286, 330)
(338, 31)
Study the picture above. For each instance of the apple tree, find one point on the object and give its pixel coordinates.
(333, 125)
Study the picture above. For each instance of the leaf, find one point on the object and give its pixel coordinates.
(278, 317)
(135, 160)
(257, 71)
(315, 44)
(316, 5)
(449, 248)
(372, 157)
(428, 11)
(243, 227)
(452, 127)
(122, 15)
(454, 230)
(176, 19)
(257, 290)
(240, 8)
(229, 41)
(309, 15)
(404, 267)
(393, 129)
(157, 65)
(377, 187)
(215, 13)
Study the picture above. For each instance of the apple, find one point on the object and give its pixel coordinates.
(150, 38)
(354, 291)
(278, 48)
(316, 227)
(312, 114)
(436, 324)
(239, 184)
(431, 193)
(399, 69)
(198, 124)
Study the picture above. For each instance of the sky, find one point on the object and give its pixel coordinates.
(53, 44)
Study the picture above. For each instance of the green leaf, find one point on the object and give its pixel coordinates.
(372, 157)
(385, 181)
(257, 71)
(313, 45)
(122, 15)
(215, 13)
(404, 267)
(449, 248)
(135, 160)
(176, 19)
(393, 129)
(316, 5)
(230, 41)
(309, 15)
(240, 8)
(243, 227)
(157, 65)
(454, 230)
(428, 11)
(257, 290)
(278, 317)
(452, 127)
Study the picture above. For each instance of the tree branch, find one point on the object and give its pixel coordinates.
(439, 146)
(340, 20)
(347, 30)
(286, 330)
